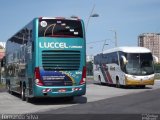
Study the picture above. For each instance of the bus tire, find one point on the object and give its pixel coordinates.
(142, 86)
(9, 88)
(70, 99)
(117, 83)
(101, 83)
(99, 79)
(28, 100)
(23, 96)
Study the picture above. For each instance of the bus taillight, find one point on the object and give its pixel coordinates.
(38, 80)
(83, 80)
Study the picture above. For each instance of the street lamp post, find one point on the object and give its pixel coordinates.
(115, 37)
(104, 45)
(91, 15)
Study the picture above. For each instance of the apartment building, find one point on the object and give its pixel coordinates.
(150, 41)
(2, 50)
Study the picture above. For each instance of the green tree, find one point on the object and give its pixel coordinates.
(89, 68)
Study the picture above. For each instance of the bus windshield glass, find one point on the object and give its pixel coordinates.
(60, 28)
(139, 64)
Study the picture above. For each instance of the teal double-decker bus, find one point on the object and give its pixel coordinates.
(47, 58)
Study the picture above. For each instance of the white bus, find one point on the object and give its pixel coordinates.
(130, 66)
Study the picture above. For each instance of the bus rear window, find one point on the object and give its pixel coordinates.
(60, 28)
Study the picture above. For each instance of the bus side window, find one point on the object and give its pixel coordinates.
(32, 46)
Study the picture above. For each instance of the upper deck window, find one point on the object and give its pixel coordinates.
(60, 28)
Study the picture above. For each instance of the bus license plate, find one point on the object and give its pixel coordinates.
(62, 90)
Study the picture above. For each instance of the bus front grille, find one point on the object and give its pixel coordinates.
(60, 60)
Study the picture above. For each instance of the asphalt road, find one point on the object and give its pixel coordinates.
(136, 103)
(138, 106)
(98, 100)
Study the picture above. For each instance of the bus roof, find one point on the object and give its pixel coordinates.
(75, 18)
(127, 49)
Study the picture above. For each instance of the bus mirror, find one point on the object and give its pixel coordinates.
(124, 59)
(155, 59)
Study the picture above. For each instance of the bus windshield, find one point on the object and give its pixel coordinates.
(139, 64)
(60, 28)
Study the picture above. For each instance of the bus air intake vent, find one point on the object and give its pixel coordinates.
(60, 60)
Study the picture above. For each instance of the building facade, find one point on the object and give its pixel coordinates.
(2, 54)
(2, 50)
(89, 58)
(150, 41)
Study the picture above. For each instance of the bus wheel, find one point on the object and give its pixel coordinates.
(23, 97)
(142, 86)
(99, 78)
(117, 83)
(29, 100)
(70, 99)
(9, 88)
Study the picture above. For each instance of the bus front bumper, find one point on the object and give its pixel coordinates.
(60, 91)
(139, 82)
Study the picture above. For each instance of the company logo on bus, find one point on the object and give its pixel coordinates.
(53, 45)
(57, 45)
